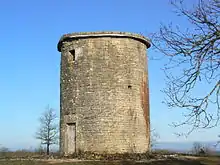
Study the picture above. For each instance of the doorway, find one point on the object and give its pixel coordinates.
(71, 137)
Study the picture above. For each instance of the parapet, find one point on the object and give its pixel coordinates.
(74, 36)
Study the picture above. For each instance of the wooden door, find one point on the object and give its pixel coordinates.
(71, 138)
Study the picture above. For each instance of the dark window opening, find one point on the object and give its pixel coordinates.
(73, 54)
(129, 86)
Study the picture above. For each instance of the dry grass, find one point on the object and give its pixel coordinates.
(188, 161)
(35, 158)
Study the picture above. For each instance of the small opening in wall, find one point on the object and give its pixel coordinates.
(129, 86)
(73, 54)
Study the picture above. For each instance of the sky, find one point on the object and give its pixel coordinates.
(30, 62)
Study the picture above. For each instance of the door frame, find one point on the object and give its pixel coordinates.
(70, 124)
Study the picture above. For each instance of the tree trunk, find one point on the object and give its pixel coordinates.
(48, 148)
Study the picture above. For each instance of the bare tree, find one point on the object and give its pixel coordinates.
(201, 149)
(193, 62)
(153, 138)
(4, 149)
(48, 130)
(196, 149)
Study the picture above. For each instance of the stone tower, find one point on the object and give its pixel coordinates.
(104, 93)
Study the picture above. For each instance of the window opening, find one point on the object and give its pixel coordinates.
(73, 54)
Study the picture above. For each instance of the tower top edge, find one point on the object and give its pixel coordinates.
(113, 34)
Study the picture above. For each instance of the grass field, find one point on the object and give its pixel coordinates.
(153, 158)
(197, 161)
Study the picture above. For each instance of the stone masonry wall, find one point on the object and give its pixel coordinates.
(104, 90)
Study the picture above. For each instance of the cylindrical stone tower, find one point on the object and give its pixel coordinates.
(104, 93)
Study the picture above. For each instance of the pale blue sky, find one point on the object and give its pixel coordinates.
(30, 62)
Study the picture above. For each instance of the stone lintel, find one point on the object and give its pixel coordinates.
(70, 118)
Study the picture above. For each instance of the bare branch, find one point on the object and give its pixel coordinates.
(193, 59)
